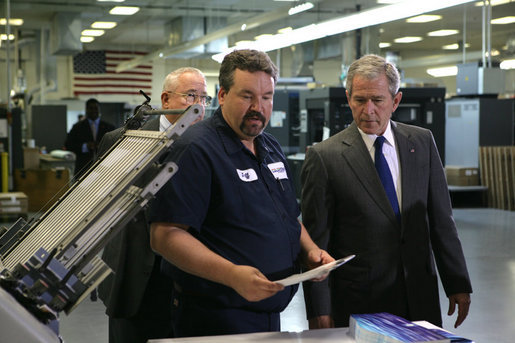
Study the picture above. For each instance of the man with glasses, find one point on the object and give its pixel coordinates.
(137, 296)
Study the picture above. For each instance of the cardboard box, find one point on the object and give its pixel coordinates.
(43, 187)
(462, 176)
(30, 158)
(14, 202)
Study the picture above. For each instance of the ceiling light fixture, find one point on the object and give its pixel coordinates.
(383, 45)
(12, 21)
(85, 39)
(503, 20)
(407, 39)
(442, 33)
(389, 2)
(285, 29)
(443, 71)
(454, 46)
(375, 16)
(507, 64)
(103, 25)
(92, 33)
(3, 36)
(301, 8)
(124, 10)
(425, 18)
(493, 2)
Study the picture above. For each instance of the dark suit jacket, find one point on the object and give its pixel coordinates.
(346, 211)
(133, 262)
(80, 134)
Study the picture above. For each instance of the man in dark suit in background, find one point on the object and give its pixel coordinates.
(85, 135)
(396, 239)
(137, 296)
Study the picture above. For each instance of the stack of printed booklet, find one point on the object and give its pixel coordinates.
(388, 328)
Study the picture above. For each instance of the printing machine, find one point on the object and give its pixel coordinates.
(50, 264)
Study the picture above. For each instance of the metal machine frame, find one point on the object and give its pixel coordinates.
(51, 264)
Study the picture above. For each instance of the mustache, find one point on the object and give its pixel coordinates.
(255, 114)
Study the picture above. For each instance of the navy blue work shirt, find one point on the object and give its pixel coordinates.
(240, 205)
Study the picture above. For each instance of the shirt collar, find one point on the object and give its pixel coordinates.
(164, 123)
(370, 139)
(96, 121)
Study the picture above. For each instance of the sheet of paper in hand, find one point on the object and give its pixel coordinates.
(314, 273)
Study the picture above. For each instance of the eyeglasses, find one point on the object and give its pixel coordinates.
(193, 98)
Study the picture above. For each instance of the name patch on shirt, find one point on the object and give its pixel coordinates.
(247, 175)
(278, 170)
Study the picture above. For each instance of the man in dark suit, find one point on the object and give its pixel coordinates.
(137, 296)
(396, 239)
(85, 135)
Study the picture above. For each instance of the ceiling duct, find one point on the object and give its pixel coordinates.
(183, 29)
(303, 58)
(65, 34)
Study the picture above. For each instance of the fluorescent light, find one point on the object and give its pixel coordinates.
(494, 52)
(110, 0)
(443, 71)
(285, 29)
(384, 45)
(124, 10)
(263, 36)
(243, 43)
(375, 16)
(93, 33)
(493, 2)
(300, 8)
(508, 64)
(442, 33)
(424, 18)
(407, 39)
(85, 39)
(12, 21)
(454, 46)
(3, 36)
(503, 20)
(103, 24)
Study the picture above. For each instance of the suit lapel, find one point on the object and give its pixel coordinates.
(358, 158)
(406, 149)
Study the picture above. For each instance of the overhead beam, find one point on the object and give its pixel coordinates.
(250, 23)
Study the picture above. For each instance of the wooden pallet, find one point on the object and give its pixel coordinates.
(497, 172)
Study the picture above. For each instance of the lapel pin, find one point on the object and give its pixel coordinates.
(412, 150)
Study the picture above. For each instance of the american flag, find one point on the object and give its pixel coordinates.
(94, 73)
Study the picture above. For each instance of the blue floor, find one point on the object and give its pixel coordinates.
(488, 238)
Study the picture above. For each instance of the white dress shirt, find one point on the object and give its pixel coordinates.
(390, 154)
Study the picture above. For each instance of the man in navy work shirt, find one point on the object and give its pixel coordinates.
(227, 221)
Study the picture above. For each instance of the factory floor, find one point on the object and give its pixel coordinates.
(488, 238)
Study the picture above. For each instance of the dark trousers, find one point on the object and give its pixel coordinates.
(153, 319)
(197, 317)
(138, 330)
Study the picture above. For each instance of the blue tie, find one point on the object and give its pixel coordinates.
(386, 176)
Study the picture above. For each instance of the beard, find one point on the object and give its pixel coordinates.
(251, 128)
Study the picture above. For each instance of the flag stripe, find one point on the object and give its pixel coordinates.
(103, 85)
(109, 92)
(80, 78)
(95, 73)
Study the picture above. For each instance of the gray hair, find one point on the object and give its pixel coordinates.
(371, 67)
(171, 81)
